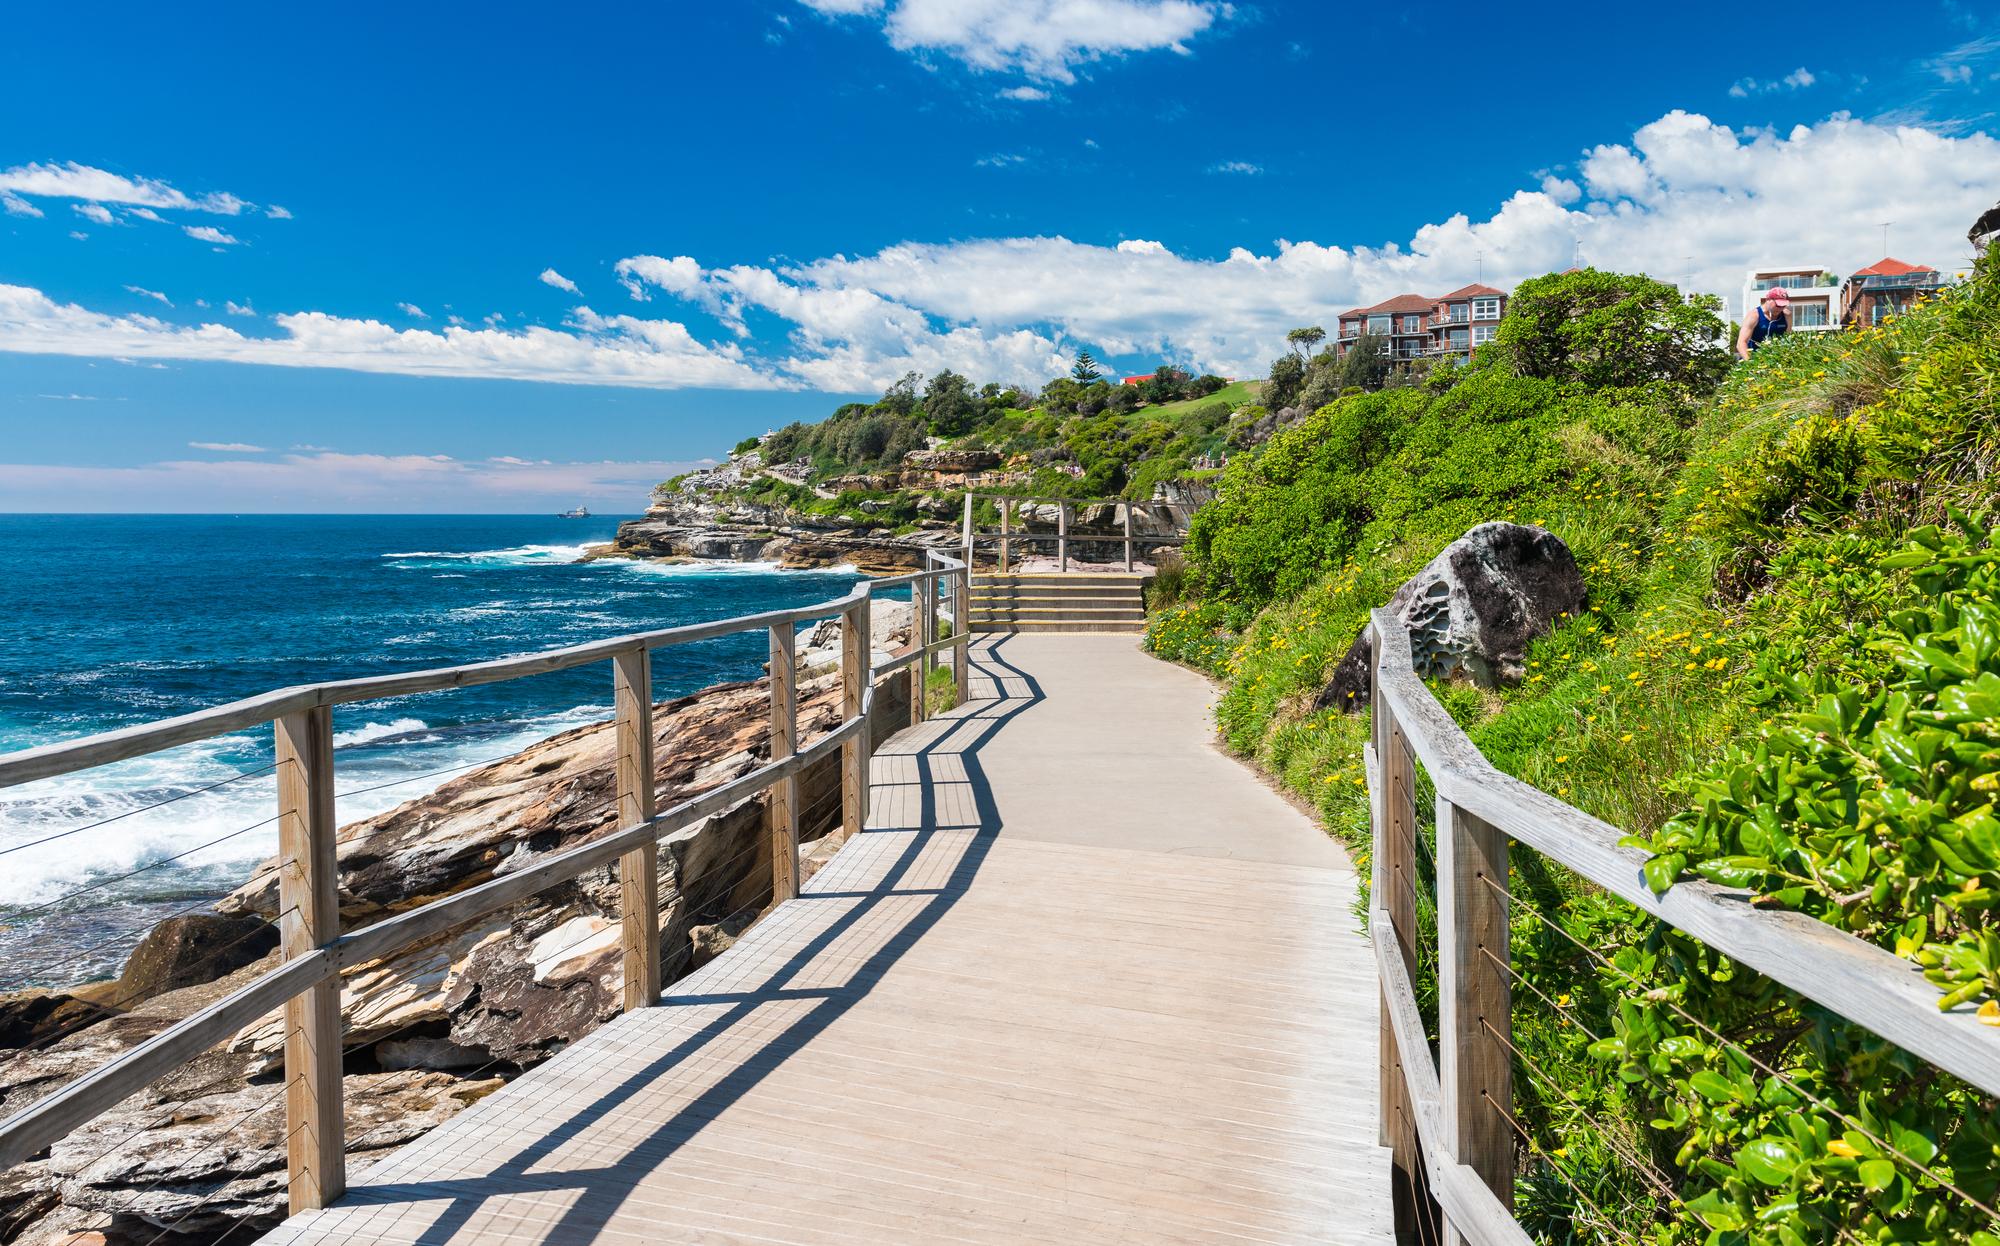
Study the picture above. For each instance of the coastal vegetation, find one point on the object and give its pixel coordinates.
(1786, 680)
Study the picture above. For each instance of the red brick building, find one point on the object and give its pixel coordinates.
(1884, 288)
(1416, 326)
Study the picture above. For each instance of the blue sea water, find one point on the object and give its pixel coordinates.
(111, 620)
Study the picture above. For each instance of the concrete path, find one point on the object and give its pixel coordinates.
(1083, 979)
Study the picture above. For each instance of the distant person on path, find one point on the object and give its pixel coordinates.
(1773, 319)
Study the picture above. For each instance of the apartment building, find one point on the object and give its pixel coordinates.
(1812, 290)
(1417, 326)
(1884, 288)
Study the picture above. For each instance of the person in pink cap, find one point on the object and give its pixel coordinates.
(1773, 319)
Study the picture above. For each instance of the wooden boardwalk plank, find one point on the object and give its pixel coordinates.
(1052, 994)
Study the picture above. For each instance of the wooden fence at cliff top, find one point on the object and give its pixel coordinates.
(315, 950)
(1450, 1121)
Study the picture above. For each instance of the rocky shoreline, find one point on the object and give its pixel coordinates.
(436, 1026)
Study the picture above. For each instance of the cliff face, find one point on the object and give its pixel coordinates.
(436, 1026)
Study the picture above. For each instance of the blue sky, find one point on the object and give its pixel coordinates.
(661, 227)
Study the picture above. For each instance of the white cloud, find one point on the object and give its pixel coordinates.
(227, 447)
(17, 206)
(235, 308)
(146, 214)
(411, 309)
(329, 481)
(277, 213)
(101, 215)
(1681, 187)
(209, 233)
(679, 275)
(1044, 39)
(142, 292)
(69, 397)
(550, 277)
(81, 181)
(1027, 94)
(1797, 80)
(1000, 160)
(1240, 167)
(619, 350)
(79, 235)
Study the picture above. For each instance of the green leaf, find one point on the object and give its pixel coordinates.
(1660, 872)
(1770, 1160)
(1710, 1084)
(1877, 1174)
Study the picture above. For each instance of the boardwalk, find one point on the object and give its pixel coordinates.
(1082, 979)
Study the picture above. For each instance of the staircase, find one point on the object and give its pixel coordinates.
(1052, 602)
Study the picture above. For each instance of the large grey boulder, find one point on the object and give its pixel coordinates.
(1472, 610)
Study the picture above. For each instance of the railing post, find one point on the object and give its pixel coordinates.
(783, 809)
(1474, 1000)
(1062, 536)
(920, 635)
(968, 529)
(1006, 513)
(961, 631)
(856, 669)
(1128, 536)
(1395, 846)
(639, 869)
(309, 918)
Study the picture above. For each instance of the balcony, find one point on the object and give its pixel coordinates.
(1791, 283)
(1906, 281)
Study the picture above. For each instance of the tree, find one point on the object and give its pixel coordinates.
(1288, 372)
(1164, 385)
(901, 398)
(1303, 340)
(1367, 363)
(1086, 368)
(949, 404)
(1611, 329)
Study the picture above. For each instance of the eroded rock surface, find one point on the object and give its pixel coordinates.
(1472, 610)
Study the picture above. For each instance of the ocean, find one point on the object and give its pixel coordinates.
(111, 620)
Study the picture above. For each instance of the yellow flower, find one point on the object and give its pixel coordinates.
(1626, 738)
(1989, 1013)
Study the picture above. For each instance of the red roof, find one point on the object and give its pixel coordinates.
(1892, 268)
(1468, 292)
(1403, 303)
(1135, 380)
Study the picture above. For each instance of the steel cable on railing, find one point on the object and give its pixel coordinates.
(137, 995)
(158, 804)
(1662, 1185)
(285, 1144)
(1939, 1180)
(1419, 1211)
(150, 865)
(1605, 1222)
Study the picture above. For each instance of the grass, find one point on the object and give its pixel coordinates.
(1236, 394)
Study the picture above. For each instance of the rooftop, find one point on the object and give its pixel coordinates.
(1892, 268)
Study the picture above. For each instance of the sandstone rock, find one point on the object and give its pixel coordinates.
(31, 1017)
(951, 462)
(1473, 609)
(193, 948)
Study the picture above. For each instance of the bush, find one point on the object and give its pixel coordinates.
(1615, 330)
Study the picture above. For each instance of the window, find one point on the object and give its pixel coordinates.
(1809, 315)
(1483, 333)
(1457, 339)
(1486, 309)
(1379, 324)
(1413, 324)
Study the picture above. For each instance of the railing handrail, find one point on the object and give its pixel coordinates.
(1480, 809)
(314, 969)
(969, 537)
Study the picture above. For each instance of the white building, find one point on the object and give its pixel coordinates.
(1814, 294)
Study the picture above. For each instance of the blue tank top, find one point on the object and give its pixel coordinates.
(1767, 328)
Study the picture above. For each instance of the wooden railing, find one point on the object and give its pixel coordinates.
(1449, 1119)
(1006, 534)
(315, 951)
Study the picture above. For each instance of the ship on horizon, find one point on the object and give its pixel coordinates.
(575, 513)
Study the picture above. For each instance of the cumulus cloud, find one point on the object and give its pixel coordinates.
(329, 481)
(411, 309)
(17, 206)
(227, 447)
(550, 277)
(277, 213)
(95, 212)
(235, 308)
(142, 292)
(1681, 187)
(1242, 168)
(619, 350)
(1045, 39)
(209, 233)
(1680, 197)
(1024, 93)
(81, 181)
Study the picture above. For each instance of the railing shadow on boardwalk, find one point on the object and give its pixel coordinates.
(601, 1190)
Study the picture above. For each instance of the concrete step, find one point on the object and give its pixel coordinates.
(1128, 620)
(1023, 625)
(979, 600)
(1057, 577)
